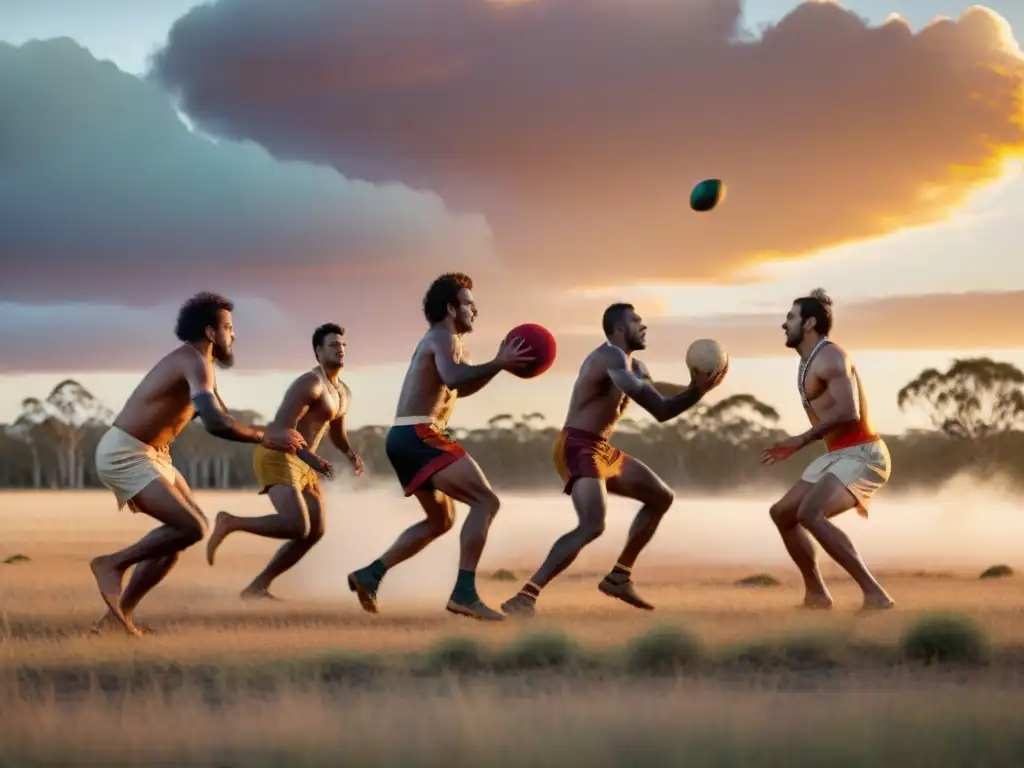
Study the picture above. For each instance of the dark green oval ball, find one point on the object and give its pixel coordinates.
(707, 194)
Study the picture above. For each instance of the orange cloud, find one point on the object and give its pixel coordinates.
(577, 128)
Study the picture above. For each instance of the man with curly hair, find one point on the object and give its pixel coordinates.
(133, 457)
(429, 463)
(853, 468)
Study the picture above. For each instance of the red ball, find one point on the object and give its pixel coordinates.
(542, 349)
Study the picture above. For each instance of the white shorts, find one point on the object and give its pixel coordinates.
(863, 469)
(126, 465)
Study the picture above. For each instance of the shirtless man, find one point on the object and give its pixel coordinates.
(315, 403)
(133, 457)
(854, 467)
(590, 467)
(429, 463)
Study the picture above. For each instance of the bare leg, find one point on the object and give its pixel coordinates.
(290, 553)
(591, 504)
(637, 481)
(826, 499)
(463, 481)
(440, 516)
(183, 526)
(799, 546)
(290, 520)
(473, 536)
(145, 576)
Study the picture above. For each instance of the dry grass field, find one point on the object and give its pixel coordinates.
(719, 675)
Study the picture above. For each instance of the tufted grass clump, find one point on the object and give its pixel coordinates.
(461, 655)
(542, 650)
(758, 580)
(945, 639)
(1000, 571)
(800, 651)
(664, 651)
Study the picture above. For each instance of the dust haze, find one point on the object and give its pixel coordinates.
(958, 526)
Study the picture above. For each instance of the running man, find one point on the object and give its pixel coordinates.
(133, 457)
(852, 470)
(590, 467)
(429, 463)
(315, 403)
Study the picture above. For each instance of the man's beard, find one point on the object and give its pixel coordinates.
(223, 358)
(794, 341)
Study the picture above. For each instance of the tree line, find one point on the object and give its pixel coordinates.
(975, 409)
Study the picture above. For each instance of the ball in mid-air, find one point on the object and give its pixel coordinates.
(542, 349)
(707, 194)
(706, 356)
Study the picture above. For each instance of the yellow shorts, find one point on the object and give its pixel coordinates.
(276, 468)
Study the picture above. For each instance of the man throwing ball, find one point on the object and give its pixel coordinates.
(590, 466)
(852, 470)
(430, 465)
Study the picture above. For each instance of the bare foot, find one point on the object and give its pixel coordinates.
(110, 622)
(110, 581)
(221, 528)
(261, 593)
(818, 602)
(879, 602)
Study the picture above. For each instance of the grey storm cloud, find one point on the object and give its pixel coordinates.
(107, 195)
(79, 336)
(578, 126)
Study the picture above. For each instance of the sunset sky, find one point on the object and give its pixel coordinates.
(324, 161)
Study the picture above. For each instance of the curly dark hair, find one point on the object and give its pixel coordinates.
(323, 331)
(199, 313)
(444, 293)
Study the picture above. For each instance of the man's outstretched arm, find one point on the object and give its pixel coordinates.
(215, 417)
(476, 386)
(219, 423)
(642, 391)
(466, 378)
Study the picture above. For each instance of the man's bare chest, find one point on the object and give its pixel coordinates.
(331, 403)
